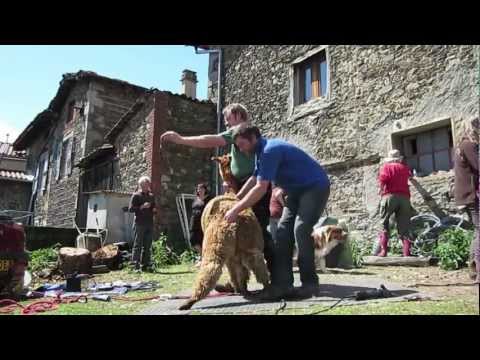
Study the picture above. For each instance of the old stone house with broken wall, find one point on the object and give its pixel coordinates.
(15, 184)
(99, 135)
(348, 105)
(84, 108)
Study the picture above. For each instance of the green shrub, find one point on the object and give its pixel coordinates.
(395, 246)
(358, 250)
(189, 256)
(42, 258)
(453, 248)
(162, 255)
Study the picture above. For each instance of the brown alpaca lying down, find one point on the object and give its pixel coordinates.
(237, 245)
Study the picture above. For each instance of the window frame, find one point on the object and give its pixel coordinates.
(432, 151)
(66, 156)
(312, 59)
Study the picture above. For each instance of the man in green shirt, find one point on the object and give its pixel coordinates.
(242, 165)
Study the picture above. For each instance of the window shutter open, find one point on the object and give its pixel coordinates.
(70, 155)
(58, 160)
(45, 171)
(35, 179)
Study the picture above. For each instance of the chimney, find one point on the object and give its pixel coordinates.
(189, 83)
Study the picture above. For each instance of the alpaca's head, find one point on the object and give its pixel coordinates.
(224, 165)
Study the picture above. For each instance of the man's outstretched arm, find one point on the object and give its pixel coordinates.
(200, 141)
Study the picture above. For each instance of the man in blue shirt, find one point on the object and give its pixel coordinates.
(307, 188)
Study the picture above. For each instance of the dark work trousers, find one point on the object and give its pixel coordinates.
(262, 212)
(301, 212)
(142, 245)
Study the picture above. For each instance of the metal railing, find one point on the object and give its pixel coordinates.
(16, 215)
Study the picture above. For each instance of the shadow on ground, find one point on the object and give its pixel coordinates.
(328, 293)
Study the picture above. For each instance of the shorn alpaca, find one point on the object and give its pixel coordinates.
(237, 245)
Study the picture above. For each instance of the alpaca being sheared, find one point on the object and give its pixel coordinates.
(237, 245)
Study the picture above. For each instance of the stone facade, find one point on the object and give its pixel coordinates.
(173, 169)
(97, 103)
(374, 93)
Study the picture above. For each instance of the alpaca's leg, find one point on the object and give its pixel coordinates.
(243, 276)
(208, 276)
(238, 275)
(255, 262)
(323, 264)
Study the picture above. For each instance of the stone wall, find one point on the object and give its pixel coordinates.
(108, 101)
(173, 169)
(184, 167)
(371, 87)
(131, 146)
(14, 195)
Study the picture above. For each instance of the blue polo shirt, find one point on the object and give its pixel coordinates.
(287, 166)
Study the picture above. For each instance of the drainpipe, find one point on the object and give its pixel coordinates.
(219, 106)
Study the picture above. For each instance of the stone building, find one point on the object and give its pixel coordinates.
(84, 108)
(15, 184)
(132, 149)
(102, 134)
(348, 105)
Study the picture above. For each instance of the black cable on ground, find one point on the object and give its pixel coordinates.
(332, 306)
(282, 307)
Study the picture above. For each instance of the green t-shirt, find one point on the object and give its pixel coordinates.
(242, 165)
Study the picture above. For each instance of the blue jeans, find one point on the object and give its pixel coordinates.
(302, 210)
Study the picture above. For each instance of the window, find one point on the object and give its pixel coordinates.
(311, 78)
(66, 158)
(429, 151)
(99, 177)
(72, 112)
(42, 174)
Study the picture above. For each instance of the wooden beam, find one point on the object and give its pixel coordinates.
(396, 261)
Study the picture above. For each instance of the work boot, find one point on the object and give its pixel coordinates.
(227, 288)
(383, 241)
(406, 243)
(307, 291)
(273, 293)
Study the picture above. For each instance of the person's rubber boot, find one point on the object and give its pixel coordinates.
(383, 242)
(477, 267)
(406, 243)
(472, 270)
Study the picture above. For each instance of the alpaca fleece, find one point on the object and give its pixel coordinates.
(237, 245)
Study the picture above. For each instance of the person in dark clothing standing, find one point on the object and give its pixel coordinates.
(142, 204)
(196, 232)
(466, 185)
